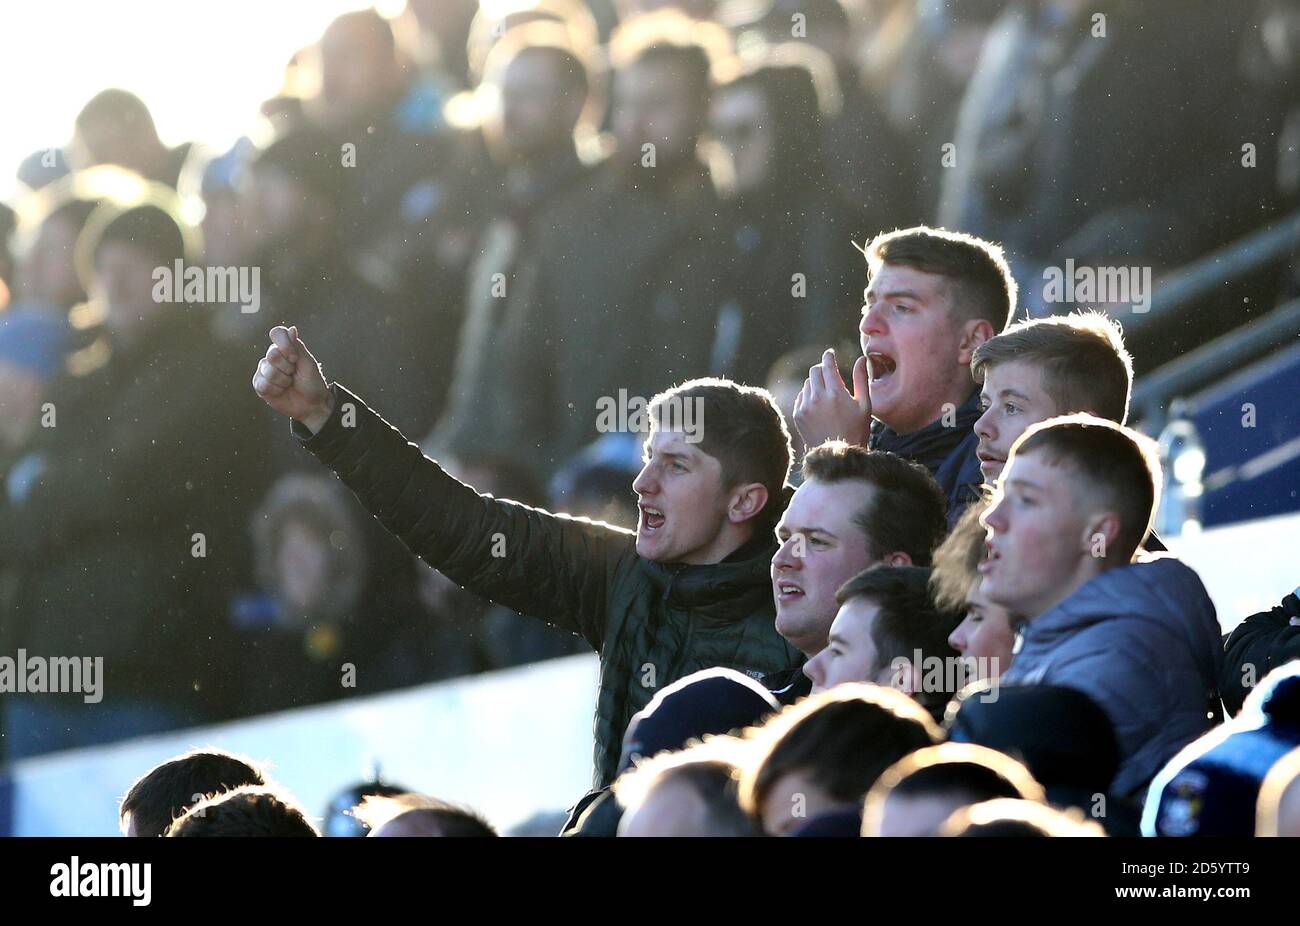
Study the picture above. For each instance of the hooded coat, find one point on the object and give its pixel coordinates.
(1142, 641)
(652, 623)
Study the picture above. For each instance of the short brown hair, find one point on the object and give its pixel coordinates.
(693, 47)
(907, 512)
(710, 768)
(1120, 463)
(842, 738)
(977, 272)
(743, 430)
(247, 811)
(957, 559)
(1085, 365)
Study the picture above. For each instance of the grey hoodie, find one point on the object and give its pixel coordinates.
(1143, 642)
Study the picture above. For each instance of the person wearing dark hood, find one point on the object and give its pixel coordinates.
(932, 298)
(710, 702)
(795, 272)
(688, 590)
(1136, 634)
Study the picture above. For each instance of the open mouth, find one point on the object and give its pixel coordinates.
(991, 556)
(989, 459)
(880, 366)
(788, 591)
(652, 519)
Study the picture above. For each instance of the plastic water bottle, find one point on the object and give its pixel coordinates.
(1182, 457)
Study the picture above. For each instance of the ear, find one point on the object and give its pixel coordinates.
(1101, 536)
(747, 502)
(896, 559)
(974, 333)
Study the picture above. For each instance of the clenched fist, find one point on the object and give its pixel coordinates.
(289, 380)
(825, 409)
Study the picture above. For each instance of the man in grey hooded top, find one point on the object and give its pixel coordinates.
(1139, 636)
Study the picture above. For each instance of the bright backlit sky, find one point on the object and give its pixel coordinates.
(202, 66)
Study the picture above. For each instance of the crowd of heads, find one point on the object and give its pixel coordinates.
(491, 224)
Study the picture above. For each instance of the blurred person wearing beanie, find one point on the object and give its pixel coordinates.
(712, 701)
(1061, 735)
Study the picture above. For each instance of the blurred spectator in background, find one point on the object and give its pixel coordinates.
(796, 273)
(628, 254)
(541, 83)
(337, 613)
(123, 519)
(116, 127)
(43, 167)
(291, 204)
(8, 223)
(918, 62)
(1058, 153)
(596, 482)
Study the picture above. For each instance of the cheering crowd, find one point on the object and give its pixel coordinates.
(911, 590)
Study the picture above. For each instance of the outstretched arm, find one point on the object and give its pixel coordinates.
(551, 566)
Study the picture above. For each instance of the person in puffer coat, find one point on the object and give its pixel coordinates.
(689, 590)
(1139, 637)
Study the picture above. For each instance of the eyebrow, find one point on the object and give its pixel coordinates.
(805, 530)
(870, 294)
(1008, 391)
(1024, 484)
(682, 455)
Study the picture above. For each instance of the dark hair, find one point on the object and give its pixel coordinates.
(980, 279)
(907, 621)
(149, 227)
(245, 811)
(689, 46)
(374, 25)
(709, 769)
(547, 38)
(126, 111)
(167, 790)
(743, 430)
(973, 772)
(906, 512)
(842, 738)
(1084, 363)
(1118, 462)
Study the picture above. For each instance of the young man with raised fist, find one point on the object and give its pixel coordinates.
(688, 590)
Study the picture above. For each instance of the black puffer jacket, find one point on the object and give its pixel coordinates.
(651, 623)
